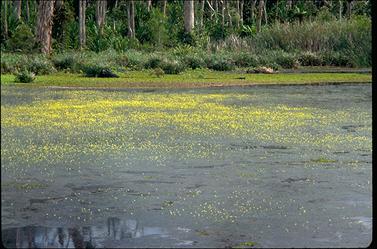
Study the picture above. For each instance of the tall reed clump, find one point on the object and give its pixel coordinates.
(350, 39)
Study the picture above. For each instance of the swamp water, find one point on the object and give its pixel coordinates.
(265, 166)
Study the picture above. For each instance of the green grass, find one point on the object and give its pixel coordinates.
(189, 79)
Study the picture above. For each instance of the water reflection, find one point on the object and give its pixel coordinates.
(78, 237)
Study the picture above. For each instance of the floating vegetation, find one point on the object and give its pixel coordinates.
(246, 244)
(323, 160)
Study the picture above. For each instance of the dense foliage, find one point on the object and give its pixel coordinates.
(311, 33)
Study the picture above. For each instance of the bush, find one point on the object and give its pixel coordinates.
(40, 65)
(154, 62)
(286, 60)
(99, 71)
(309, 59)
(24, 77)
(158, 72)
(65, 61)
(220, 63)
(22, 39)
(172, 67)
(193, 61)
(337, 59)
(245, 60)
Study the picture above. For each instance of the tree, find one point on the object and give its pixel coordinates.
(82, 15)
(131, 18)
(17, 9)
(5, 19)
(44, 25)
(349, 8)
(189, 15)
(252, 11)
(260, 14)
(101, 14)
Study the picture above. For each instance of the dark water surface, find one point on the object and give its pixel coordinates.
(277, 166)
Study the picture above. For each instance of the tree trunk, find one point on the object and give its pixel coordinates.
(223, 14)
(6, 19)
(17, 8)
(340, 9)
(230, 24)
(289, 4)
(202, 2)
(101, 14)
(131, 19)
(252, 11)
(260, 14)
(189, 15)
(149, 5)
(265, 12)
(349, 8)
(82, 15)
(164, 7)
(241, 12)
(27, 11)
(44, 25)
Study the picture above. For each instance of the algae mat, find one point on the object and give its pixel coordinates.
(238, 167)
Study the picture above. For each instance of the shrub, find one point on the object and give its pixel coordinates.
(65, 61)
(286, 60)
(220, 63)
(309, 59)
(40, 65)
(172, 67)
(245, 60)
(337, 59)
(22, 39)
(158, 72)
(24, 77)
(100, 71)
(154, 62)
(193, 61)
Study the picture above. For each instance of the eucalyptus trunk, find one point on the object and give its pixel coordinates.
(164, 7)
(340, 9)
(189, 15)
(260, 14)
(241, 11)
(149, 5)
(17, 8)
(228, 13)
(131, 19)
(349, 8)
(202, 2)
(101, 14)
(252, 11)
(44, 25)
(265, 12)
(27, 11)
(6, 19)
(82, 17)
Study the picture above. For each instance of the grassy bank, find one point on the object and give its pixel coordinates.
(189, 79)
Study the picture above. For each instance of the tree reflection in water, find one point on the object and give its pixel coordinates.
(75, 237)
